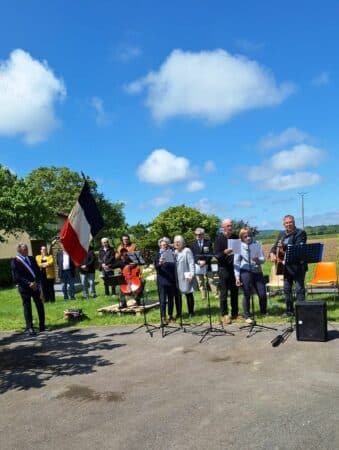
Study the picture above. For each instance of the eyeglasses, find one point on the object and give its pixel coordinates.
(198, 234)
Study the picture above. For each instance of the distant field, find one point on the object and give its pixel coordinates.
(330, 247)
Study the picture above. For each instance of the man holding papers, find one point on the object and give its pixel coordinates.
(225, 257)
(202, 251)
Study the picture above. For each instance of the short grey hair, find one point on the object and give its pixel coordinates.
(104, 239)
(20, 245)
(199, 230)
(179, 238)
(164, 239)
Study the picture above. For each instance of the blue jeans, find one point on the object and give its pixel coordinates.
(88, 280)
(67, 282)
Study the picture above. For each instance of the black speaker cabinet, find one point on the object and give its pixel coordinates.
(311, 320)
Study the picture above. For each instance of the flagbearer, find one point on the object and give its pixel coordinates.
(26, 274)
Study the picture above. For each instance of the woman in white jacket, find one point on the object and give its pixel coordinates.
(185, 272)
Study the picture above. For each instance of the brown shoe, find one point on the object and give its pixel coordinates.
(171, 320)
(226, 320)
(238, 317)
(164, 322)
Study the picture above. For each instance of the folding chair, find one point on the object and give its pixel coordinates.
(325, 279)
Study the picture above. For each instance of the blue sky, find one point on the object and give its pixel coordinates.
(227, 106)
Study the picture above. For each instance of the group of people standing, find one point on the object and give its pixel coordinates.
(191, 268)
(180, 271)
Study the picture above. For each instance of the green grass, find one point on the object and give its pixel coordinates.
(11, 313)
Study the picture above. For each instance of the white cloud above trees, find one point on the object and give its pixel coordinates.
(210, 85)
(286, 169)
(163, 167)
(29, 92)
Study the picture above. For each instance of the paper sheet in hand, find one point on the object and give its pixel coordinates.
(255, 250)
(168, 256)
(234, 244)
(200, 270)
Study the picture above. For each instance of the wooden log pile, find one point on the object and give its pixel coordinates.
(132, 308)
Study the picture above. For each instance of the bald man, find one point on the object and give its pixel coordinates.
(226, 273)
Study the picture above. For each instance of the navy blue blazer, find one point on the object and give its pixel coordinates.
(22, 276)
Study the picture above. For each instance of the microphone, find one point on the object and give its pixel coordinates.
(277, 340)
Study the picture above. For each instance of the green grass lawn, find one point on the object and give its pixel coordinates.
(11, 313)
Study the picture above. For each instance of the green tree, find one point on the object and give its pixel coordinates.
(22, 206)
(61, 187)
(175, 220)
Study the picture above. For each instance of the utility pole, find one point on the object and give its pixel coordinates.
(302, 195)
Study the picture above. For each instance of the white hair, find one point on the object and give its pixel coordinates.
(164, 239)
(179, 238)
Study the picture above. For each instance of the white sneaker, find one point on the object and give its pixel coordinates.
(249, 321)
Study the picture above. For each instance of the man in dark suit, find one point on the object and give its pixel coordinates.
(26, 274)
(202, 251)
(295, 272)
(225, 259)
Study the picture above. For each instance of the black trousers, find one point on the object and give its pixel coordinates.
(47, 288)
(227, 284)
(253, 281)
(298, 279)
(26, 296)
(166, 295)
(189, 301)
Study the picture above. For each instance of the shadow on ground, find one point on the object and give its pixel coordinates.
(27, 362)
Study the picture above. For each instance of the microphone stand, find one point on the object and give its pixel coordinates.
(253, 327)
(211, 329)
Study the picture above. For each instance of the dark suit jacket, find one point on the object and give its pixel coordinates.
(60, 256)
(295, 238)
(89, 262)
(22, 276)
(198, 252)
(221, 243)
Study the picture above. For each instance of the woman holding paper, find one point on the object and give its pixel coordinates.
(164, 263)
(185, 272)
(248, 272)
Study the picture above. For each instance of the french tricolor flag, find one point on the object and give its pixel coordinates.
(82, 224)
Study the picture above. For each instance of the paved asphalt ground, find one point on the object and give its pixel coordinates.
(119, 388)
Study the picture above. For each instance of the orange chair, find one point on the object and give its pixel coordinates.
(325, 278)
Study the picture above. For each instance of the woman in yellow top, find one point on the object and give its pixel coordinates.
(46, 265)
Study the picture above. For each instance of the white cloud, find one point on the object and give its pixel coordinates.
(289, 136)
(209, 166)
(161, 200)
(283, 170)
(28, 93)
(300, 156)
(102, 118)
(321, 80)
(209, 85)
(281, 182)
(127, 52)
(195, 185)
(163, 167)
(206, 206)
